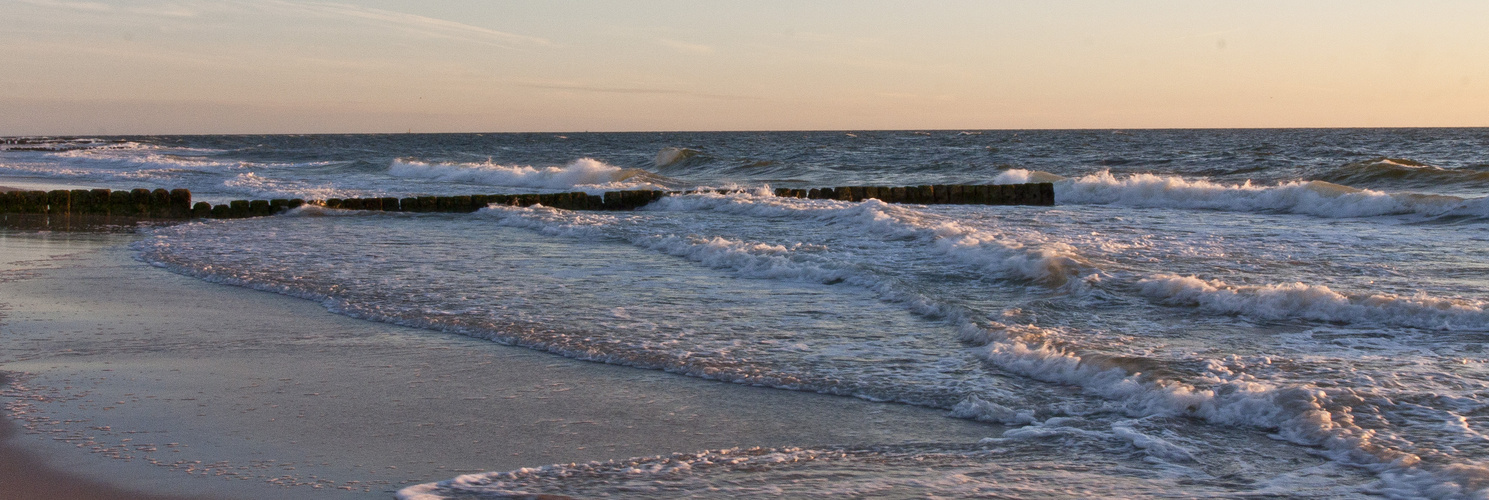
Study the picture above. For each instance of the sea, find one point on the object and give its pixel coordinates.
(1202, 313)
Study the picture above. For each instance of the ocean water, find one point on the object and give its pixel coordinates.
(1203, 313)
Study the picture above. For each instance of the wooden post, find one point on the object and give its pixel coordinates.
(180, 204)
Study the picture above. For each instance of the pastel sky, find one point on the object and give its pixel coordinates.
(290, 66)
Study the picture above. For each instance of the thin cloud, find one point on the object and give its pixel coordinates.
(161, 10)
(409, 23)
(87, 6)
(630, 90)
(412, 24)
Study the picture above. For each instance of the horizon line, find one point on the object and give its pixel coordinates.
(758, 131)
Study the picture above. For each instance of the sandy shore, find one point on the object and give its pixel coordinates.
(24, 474)
(138, 379)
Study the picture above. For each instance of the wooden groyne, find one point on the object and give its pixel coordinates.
(176, 203)
(142, 203)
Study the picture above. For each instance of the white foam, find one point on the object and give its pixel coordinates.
(1012, 470)
(1317, 198)
(135, 156)
(584, 174)
(258, 186)
(748, 259)
(993, 253)
(1155, 446)
(1299, 414)
(1477, 207)
(1299, 300)
(1021, 176)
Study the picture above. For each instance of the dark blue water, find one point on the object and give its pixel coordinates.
(1439, 161)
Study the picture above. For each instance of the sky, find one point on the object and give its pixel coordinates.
(290, 66)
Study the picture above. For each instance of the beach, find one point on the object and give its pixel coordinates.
(1201, 313)
(135, 379)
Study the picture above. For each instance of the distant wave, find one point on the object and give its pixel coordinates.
(671, 156)
(584, 174)
(1400, 172)
(133, 160)
(150, 168)
(1320, 198)
(56, 144)
(1021, 176)
(258, 187)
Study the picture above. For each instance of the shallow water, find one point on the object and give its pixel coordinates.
(1216, 313)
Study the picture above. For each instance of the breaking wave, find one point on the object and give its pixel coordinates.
(672, 156)
(1299, 300)
(584, 174)
(1319, 198)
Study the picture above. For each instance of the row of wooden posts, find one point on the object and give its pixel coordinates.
(173, 204)
(176, 203)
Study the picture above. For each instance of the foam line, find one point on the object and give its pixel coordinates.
(584, 174)
(1318, 198)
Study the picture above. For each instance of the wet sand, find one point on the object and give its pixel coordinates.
(23, 474)
(140, 379)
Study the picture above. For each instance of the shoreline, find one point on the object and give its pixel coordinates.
(202, 388)
(24, 474)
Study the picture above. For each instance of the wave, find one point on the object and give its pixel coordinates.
(58, 144)
(993, 253)
(131, 160)
(1298, 300)
(1058, 263)
(133, 155)
(996, 469)
(1319, 198)
(172, 174)
(672, 156)
(1021, 176)
(1302, 414)
(1400, 172)
(1299, 413)
(584, 174)
(260, 187)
